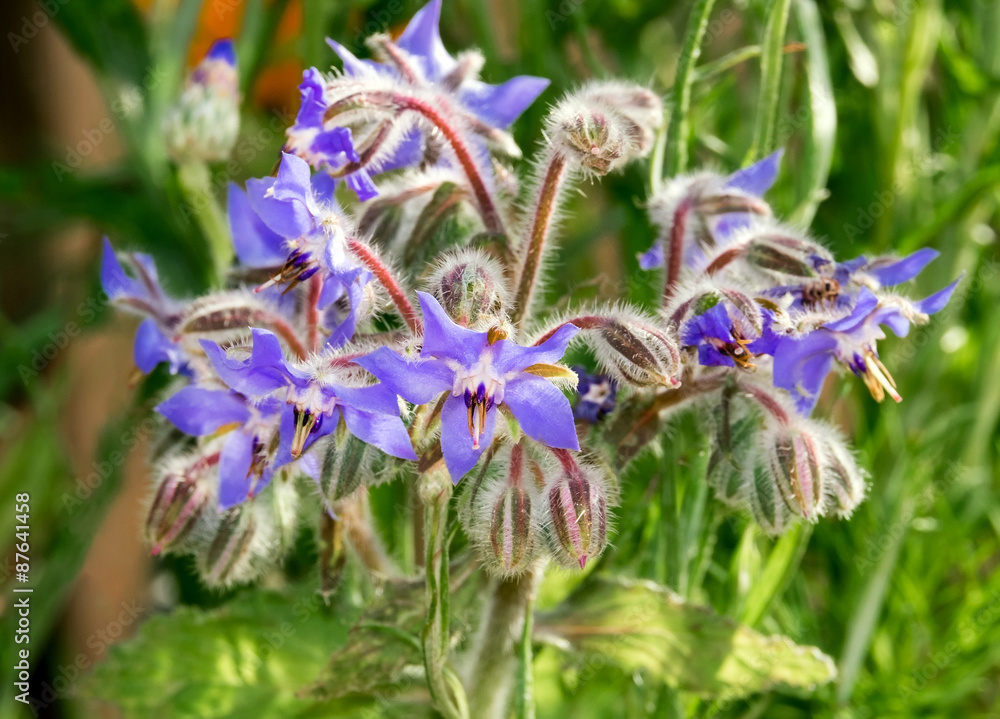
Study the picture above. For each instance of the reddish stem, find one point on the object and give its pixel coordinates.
(675, 253)
(312, 311)
(541, 226)
(584, 322)
(766, 401)
(384, 276)
(285, 331)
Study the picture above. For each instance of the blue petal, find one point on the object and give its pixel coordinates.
(865, 305)
(653, 257)
(512, 357)
(152, 347)
(373, 398)
(336, 145)
(904, 269)
(500, 105)
(234, 469)
(422, 39)
(936, 302)
(801, 366)
(386, 432)
(312, 104)
(361, 183)
(758, 177)
(223, 50)
(444, 339)
(456, 444)
(709, 356)
(256, 245)
(542, 411)
(418, 382)
(262, 373)
(114, 281)
(352, 65)
(198, 411)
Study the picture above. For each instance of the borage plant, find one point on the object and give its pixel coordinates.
(396, 332)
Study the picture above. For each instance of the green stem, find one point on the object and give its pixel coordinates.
(770, 79)
(525, 667)
(446, 693)
(494, 663)
(196, 183)
(677, 134)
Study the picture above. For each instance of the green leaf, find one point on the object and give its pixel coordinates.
(116, 45)
(642, 625)
(246, 658)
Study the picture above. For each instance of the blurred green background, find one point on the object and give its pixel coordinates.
(905, 596)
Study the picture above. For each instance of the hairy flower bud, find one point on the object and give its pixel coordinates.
(205, 122)
(183, 497)
(768, 508)
(470, 287)
(346, 464)
(843, 477)
(512, 535)
(794, 460)
(605, 125)
(730, 466)
(576, 512)
(243, 544)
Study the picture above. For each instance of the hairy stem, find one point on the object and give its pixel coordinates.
(542, 220)
(447, 696)
(770, 81)
(196, 183)
(675, 251)
(677, 134)
(494, 662)
(384, 275)
(312, 311)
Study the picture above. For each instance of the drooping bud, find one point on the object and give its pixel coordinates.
(181, 503)
(346, 464)
(511, 532)
(205, 122)
(772, 247)
(576, 512)
(470, 287)
(769, 509)
(794, 460)
(844, 479)
(241, 547)
(605, 125)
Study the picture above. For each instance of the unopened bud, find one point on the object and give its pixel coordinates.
(470, 287)
(242, 546)
(179, 503)
(632, 347)
(576, 509)
(794, 460)
(346, 464)
(205, 122)
(844, 478)
(640, 110)
(592, 139)
(512, 535)
(766, 503)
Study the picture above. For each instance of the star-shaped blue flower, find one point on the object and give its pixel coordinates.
(312, 404)
(479, 376)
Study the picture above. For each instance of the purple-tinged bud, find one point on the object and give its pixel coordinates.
(228, 554)
(768, 508)
(844, 480)
(576, 512)
(470, 287)
(640, 110)
(512, 536)
(182, 498)
(205, 121)
(795, 460)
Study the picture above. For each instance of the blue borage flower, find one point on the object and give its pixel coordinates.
(597, 395)
(142, 294)
(247, 429)
(417, 60)
(726, 338)
(292, 223)
(704, 195)
(802, 364)
(480, 371)
(314, 397)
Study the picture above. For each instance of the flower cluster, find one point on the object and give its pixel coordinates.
(321, 361)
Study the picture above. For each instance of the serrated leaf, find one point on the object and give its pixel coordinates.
(642, 625)
(246, 658)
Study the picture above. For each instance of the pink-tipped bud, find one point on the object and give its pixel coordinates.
(794, 460)
(470, 287)
(577, 512)
(181, 501)
(512, 536)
